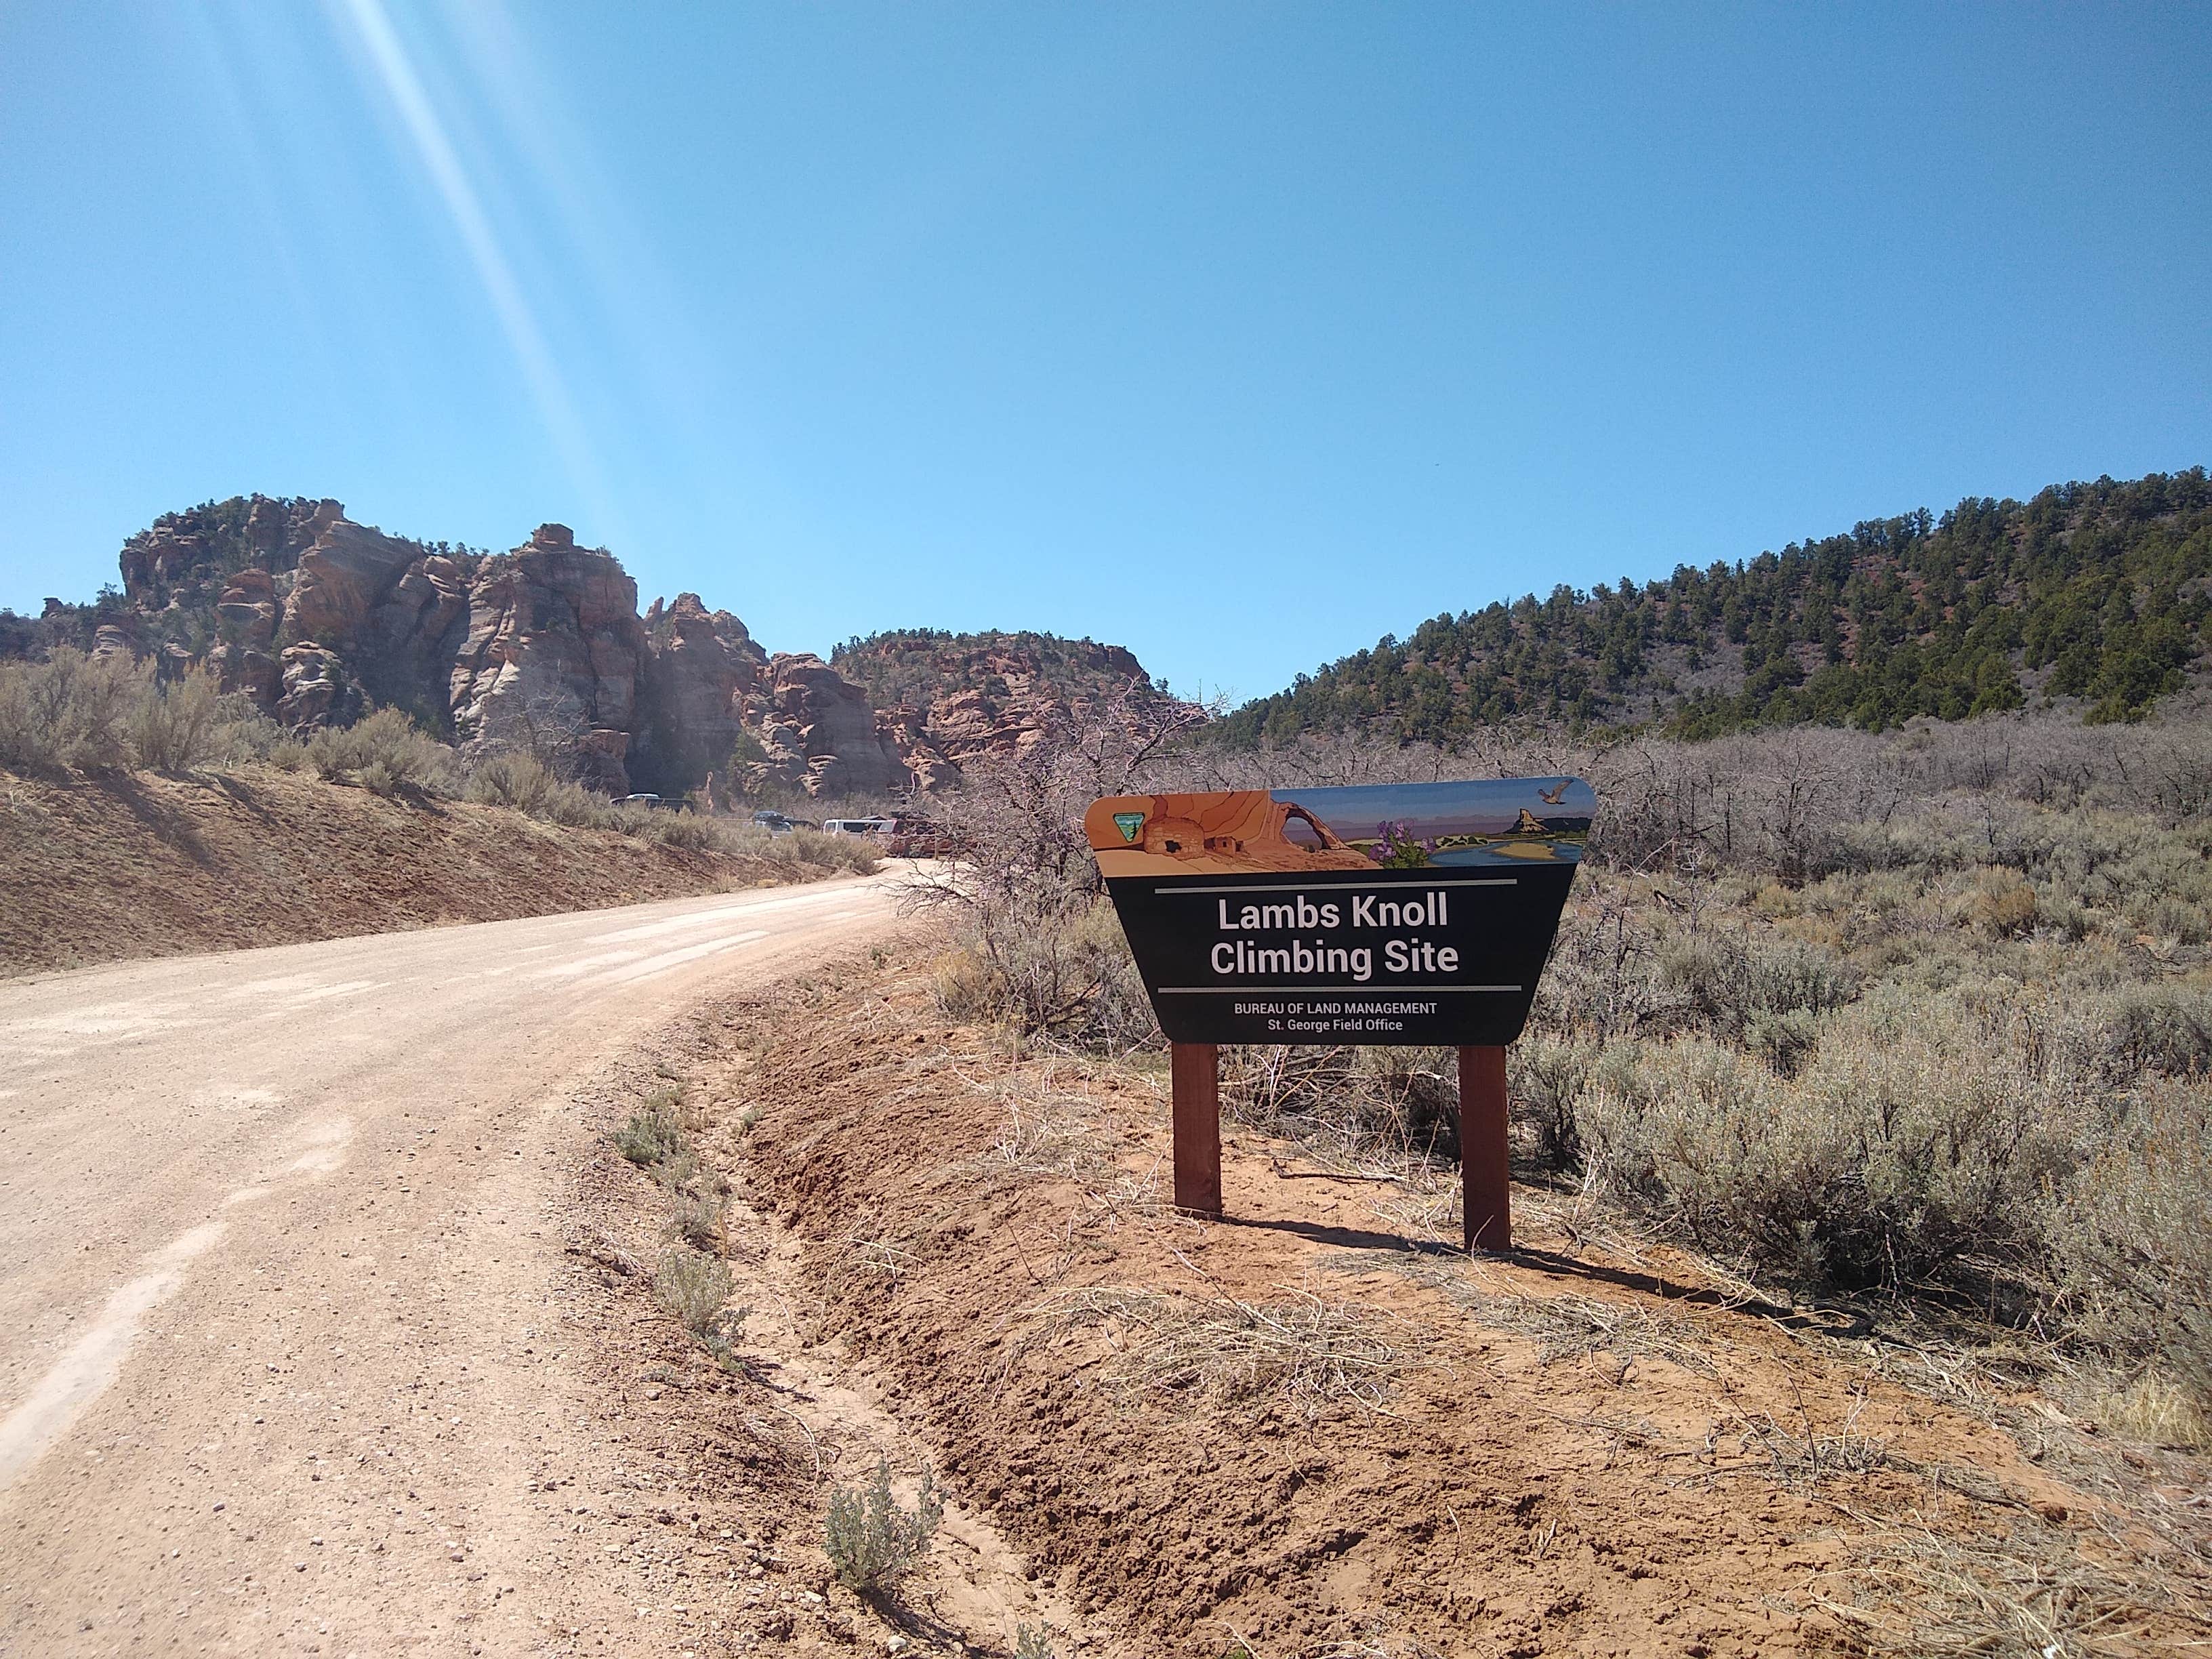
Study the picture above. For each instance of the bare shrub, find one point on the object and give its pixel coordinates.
(1049, 958)
(873, 1540)
(1364, 1110)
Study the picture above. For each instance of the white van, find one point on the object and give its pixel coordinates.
(877, 827)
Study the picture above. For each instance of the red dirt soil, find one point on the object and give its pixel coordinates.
(1291, 1433)
(126, 865)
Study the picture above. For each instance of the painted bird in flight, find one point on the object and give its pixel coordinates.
(1552, 796)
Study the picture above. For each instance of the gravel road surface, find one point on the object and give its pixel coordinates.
(280, 1364)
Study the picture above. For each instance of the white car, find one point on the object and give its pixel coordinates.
(876, 828)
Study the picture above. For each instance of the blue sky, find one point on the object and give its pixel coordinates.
(1238, 334)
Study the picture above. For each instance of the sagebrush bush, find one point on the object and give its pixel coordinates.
(1727, 983)
(178, 727)
(695, 1288)
(71, 710)
(1915, 1135)
(384, 751)
(874, 1541)
(697, 1218)
(524, 783)
(2131, 1242)
(653, 1136)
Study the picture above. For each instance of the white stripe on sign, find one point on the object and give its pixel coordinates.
(1312, 990)
(1338, 886)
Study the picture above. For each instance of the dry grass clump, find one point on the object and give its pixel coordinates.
(1305, 1351)
(2030, 1592)
(1567, 1326)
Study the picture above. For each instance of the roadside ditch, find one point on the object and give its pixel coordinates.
(1308, 1430)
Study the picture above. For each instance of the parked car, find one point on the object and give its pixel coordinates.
(913, 836)
(874, 828)
(775, 823)
(661, 802)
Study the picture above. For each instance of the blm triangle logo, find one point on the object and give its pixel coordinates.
(1129, 824)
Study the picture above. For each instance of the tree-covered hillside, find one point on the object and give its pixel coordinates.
(2098, 591)
(919, 666)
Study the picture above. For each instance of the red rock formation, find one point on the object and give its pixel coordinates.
(702, 671)
(819, 732)
(318, 619)
(552, 657)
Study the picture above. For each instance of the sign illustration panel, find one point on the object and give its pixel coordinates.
(1380, 913)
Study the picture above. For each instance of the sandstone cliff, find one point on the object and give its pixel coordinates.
(947, 699)
(318, 619)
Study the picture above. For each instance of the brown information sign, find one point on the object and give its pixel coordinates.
(1395, 914)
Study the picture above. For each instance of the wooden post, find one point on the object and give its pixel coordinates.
(1194, 1080)
(1486, 1187)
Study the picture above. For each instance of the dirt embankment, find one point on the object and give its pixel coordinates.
(1312, 1430)
(126, 865)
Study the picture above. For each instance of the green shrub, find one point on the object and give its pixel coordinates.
(695, 1288)
(652, 1136)
(1915, 1135)
(872, 1540)
(2131, 1244)
(177, 726)
(71, 710)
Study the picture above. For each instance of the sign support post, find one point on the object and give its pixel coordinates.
(1486, 1184)
(1194, 1083)
(1394, 914)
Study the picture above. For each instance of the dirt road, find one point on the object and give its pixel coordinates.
(278, 1258)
